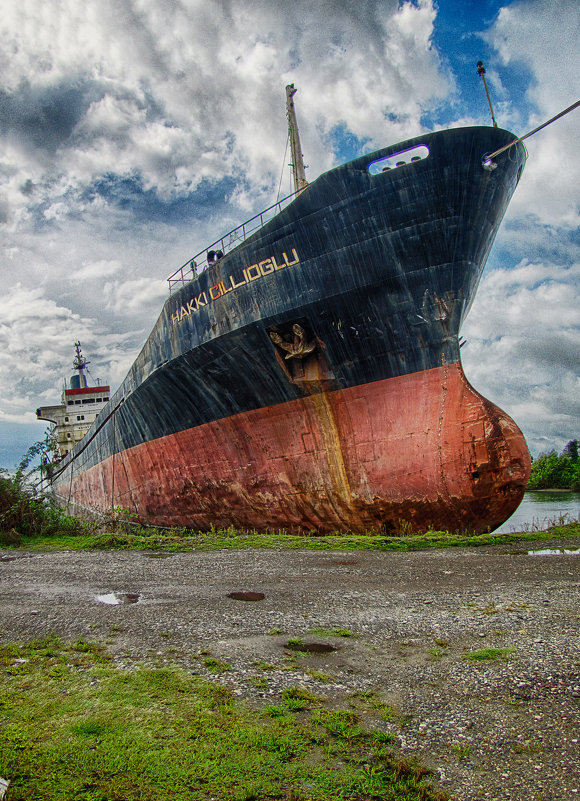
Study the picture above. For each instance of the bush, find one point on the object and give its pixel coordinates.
(23, 515)
(550, 471)
(22, 512)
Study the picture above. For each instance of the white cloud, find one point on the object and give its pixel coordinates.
(523, 348)
(542, 37)
(98, 269)
(130, 297)
(182, 91)
(37, 336)
(34, 335)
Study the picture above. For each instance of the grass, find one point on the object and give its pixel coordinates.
(486, 654)
(322, 632)
(368, 699)
(74, 725)
(36, 523)
(171, 540)
(462, 750)
(437, 653)
(216, 665)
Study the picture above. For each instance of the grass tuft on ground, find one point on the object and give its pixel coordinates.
(488, 654)
(74, 725)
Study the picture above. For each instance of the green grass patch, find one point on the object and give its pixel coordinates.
(319, 675)
(75, 726)
(485, 654)
(158, 541)
(216, 665)
(321, 632)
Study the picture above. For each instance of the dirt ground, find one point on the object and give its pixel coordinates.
(503, 728)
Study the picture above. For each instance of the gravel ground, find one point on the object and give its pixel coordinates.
(505, 728)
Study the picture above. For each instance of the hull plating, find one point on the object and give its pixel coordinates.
(423, 448)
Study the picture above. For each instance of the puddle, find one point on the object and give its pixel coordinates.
(346, 562)
(310, 647)
(158, 555)
(116, 598)
(554, 552)
(247, 596)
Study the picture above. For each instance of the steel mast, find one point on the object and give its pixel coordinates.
(300, 181)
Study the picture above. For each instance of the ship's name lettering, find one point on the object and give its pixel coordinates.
(252, 273)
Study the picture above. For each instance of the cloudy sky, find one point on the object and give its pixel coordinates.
(135, 132)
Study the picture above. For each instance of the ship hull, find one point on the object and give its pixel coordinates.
(311, 380)
(408, 453)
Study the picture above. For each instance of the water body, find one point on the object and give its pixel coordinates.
(540, 509)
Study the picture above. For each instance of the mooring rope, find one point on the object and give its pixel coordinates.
(489, 158)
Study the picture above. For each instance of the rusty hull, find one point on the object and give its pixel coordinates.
(424, 448)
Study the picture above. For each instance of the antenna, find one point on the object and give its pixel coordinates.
(300, 181)
(481, 71)
(79, 362)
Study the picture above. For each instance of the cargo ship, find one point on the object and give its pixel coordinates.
(305, 373)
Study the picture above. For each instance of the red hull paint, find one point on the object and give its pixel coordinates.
(424, 448)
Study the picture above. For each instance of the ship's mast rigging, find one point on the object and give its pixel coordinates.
(300, 181)
(79, 362)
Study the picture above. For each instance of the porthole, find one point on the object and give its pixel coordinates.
(394, 161)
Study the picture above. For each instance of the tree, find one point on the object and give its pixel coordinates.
(550, 471)
(571, 450)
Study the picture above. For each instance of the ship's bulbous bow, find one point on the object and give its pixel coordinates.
(428, 451)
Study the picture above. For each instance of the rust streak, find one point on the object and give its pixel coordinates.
(332, 448)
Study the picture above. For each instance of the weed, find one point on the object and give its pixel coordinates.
(483, 654)
(383, 736)
(462, 750)
(321, 632)
(115, 628)
(319, 675)
(437, 653)
(259, 682)
(216, 665)
(343, 725)
(297, 698)
(276, 631)
(527, 747)
(261, 664)
(296, 704)
(370, 699)
(275, 711)
(41, 526)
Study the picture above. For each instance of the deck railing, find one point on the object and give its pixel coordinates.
(212, 253)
